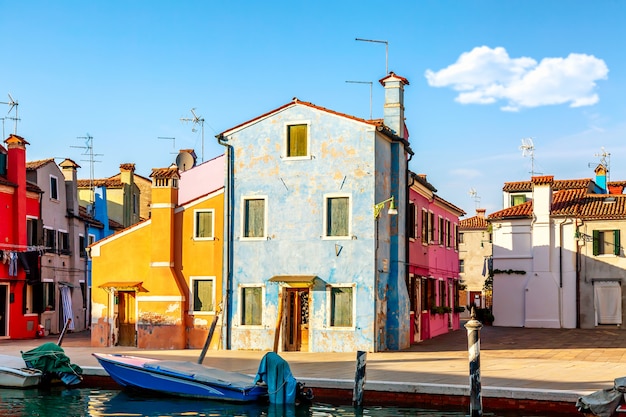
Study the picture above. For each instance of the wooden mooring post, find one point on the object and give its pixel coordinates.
(359, 379)
(473, 327)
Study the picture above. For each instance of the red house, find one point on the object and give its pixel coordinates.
(20, 286)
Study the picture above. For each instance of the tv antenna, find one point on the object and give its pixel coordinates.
(605, 160)
(173, 142)
(196, 120)
(386, 51)
(365, 82)
(88, 147)
(528, 149)
(12, 105)
(474, 195)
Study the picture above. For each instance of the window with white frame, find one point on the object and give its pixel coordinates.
(337, 216)
(442, 231)
(32, 231)
(448, 234)
(251, 305)
(606, 242)
(48, 299)
(254, 217)
(54, 188)
(49, 236)
(203, 294)
(517, 199)
(431, 226)
(341, 305)
(203, 224)
(63, 242)
(297, 140)
(425, 227)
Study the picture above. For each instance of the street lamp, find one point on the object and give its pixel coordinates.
(378, 207)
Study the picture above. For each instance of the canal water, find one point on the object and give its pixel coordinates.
(63, 402)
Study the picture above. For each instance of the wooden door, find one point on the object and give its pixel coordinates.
(296, 336)
(127, 318)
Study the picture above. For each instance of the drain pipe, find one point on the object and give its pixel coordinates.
(561, 224)
(227, 290)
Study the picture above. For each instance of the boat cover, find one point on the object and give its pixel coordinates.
(50, 358)
(281, 384)
(603, 403)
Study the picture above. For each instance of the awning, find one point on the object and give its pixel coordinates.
(294, 279)
(121, 286)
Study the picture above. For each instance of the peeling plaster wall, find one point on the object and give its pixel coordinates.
(344, 160)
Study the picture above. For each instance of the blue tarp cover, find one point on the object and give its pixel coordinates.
(281, 384)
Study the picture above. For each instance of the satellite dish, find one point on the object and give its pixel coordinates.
(185, 161)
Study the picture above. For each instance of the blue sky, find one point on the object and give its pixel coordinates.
(483, 76)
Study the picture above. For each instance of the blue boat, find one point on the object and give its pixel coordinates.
(182, 378)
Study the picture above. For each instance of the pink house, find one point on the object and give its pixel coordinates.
(433, 260)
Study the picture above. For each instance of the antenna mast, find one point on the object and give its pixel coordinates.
(604, 157)
(474, 195)
(12, 105)
(386, 51)
(89, 151)
(196, 120)
(365, 82)
(528, 149)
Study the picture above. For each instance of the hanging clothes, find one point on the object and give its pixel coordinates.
(30, 263)
(12, 264)
(66, 297)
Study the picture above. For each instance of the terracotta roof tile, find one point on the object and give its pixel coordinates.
(473, 223)
(100, 182)
(526, 186)
(33, 165)
(515, 212)
(171, 172)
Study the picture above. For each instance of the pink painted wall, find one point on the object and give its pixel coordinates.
(202, 179)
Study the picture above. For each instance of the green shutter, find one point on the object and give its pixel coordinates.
(596, 242)
(616, 249)
(337, 216)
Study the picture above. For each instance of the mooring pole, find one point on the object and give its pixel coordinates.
(359, 378)
(473, 327)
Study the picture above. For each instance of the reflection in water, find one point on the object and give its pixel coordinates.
(63, 402)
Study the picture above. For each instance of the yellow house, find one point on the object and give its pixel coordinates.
(158, 284)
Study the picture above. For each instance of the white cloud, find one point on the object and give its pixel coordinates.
(485, 75)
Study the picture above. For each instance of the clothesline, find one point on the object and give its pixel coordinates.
(22, 248)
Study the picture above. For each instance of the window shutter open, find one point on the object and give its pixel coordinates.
(596, 242)
(616, 249)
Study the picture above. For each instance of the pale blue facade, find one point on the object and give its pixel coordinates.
(297, 266)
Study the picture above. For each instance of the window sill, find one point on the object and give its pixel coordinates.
(297, 158)
(203, 239)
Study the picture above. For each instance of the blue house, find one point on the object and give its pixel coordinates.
(316, 223)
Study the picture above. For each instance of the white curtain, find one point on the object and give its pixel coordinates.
(66, 297)
(608, 302)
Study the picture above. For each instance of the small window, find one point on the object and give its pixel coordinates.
(135, 203)
(461, 266)
(251, 306)
(461, 237)
(431, 226)
(337, 216)
(32, 229)
(253, 218)
(297, 141)
(203, 294)
(412, 218)
(83, 291)
(442, 293)
(49, 236)
(81, 244)
(54, 188)
(203, 224)
(517, 199)
(606, 242)
(442, 231)
(448, 234)
(48, 296)
(425, 227)
(64, 242)
(341, 306)
(455, 236)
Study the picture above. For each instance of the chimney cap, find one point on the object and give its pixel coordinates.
(393, 77)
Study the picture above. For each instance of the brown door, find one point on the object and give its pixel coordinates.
(127, 318)
(297, 320)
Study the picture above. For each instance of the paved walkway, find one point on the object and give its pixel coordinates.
(537, 364)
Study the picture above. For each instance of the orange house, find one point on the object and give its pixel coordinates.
(158, 284)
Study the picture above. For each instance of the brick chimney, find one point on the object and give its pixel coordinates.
(394, 103)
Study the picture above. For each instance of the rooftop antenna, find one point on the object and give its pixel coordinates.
(173, 142)
(196, 120)
(474, 195)
(12, 105)
(605, 159)
(88, 147)
(528, 149)
(386, 50)
(365, 82)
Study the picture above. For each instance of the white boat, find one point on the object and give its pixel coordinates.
(15, 374)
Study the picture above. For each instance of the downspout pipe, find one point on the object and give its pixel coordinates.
(227, 290)
(561, 224)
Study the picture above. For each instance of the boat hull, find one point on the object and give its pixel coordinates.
(19, 377)
(181, 378)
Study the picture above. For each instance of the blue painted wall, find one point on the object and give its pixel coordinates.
(347, 157)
